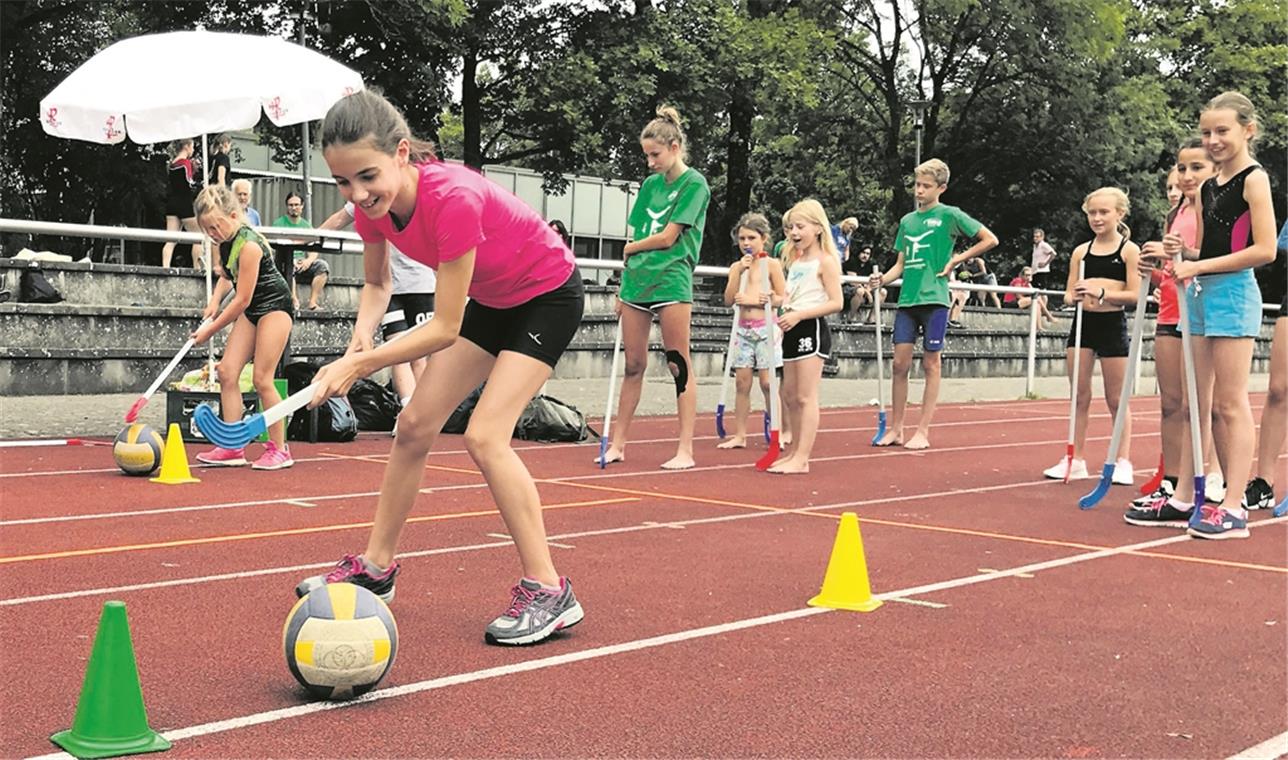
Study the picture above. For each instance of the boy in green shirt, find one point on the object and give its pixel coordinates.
(925, 244)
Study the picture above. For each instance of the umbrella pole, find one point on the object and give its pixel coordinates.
(205, 250)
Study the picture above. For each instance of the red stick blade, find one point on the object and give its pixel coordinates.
(771, 456)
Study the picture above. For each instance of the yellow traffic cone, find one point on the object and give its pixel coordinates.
(845, 586)
(174, 460)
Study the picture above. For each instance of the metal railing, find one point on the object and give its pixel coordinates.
(349, 242)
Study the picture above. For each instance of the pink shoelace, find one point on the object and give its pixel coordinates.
(347, 568)
(521, 598)
(1211, 514)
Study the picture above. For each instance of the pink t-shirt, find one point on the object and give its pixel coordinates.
(1186, 224)
(517, 256)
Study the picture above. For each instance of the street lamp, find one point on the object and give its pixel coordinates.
(918, 122)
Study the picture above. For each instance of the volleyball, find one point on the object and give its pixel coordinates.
(137, 449)
(339, 641)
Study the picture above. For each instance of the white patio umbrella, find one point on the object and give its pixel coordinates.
(162, 87)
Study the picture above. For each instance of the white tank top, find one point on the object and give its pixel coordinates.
(804, 286)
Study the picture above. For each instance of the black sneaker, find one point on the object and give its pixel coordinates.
(1258, 495)
(955, 325)
(1164, 491)
(352, 569)
(1160, 513)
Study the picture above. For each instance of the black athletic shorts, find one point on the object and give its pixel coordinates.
(1104, 332)
(405, 311)
(810, 337)
(1167, 331)
(541, 328)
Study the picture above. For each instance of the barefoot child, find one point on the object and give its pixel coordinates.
(261, 314)
(813, 292)
(925, 244)
(666, 222)
(755, 351)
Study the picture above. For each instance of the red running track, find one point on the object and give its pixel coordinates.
(1017, 625)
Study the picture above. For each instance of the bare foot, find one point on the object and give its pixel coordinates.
(733, 443)
(891, 438)
(785, 439)
(791, 468)
(779, 465)
(678, 462)
(612, 455)
(917, 442)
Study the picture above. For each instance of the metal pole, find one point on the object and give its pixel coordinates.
(1033, 346)
(205, 253)
(306, 150)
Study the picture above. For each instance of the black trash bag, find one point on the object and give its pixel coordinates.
(335, 419)
(375, 405)
(460, 418)
(550, 420)
(34, 288)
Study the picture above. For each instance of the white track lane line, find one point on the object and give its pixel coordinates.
(1270, 749)
(1141, 416)
(567, 479)
(644, 526)
(543, 663)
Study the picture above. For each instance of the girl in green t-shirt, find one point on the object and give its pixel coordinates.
(666, 230)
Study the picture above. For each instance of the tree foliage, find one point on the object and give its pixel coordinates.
(1033, 103)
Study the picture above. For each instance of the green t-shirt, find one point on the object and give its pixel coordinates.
(285, 221)
(666, 274)
(926, 239)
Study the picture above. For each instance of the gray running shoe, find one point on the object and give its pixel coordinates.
(535, 614)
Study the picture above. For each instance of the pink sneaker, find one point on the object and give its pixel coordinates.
(273, 458)
(223, 457)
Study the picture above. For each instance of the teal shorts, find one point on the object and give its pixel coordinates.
(1225, 305)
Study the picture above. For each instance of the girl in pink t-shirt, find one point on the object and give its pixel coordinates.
(1192, 167)
(525, 304)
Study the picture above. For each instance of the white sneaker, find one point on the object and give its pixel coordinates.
(1214, 488)
(1078, 472)
(1123, 472)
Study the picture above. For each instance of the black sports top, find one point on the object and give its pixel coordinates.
(1107, 265)
(1227, 223)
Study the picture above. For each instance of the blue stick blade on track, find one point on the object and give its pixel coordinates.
(1282, 509)
(720, 431)
(228, 435)
(1200, 498)
(1102, 488)
(603, 451)
(766, 427)
(881, 428)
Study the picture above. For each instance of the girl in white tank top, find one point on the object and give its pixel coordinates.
(813, 291)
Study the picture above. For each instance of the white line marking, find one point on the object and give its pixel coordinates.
(542, 663)
(922, 603)
(507, 537)
(1270, 749)
(465, 486)
(1142, 416)
(299, 503)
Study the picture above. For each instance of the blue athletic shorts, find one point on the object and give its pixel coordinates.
(928, 320)
(1225, 305)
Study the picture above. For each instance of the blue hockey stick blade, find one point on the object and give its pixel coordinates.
(603, 451)
(881, 428)
(1282, 509)
(1102, 488)
(766, 427)
(720, 431)
(1200, 498)
(228, 435)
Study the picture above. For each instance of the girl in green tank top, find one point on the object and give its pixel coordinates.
(260, 312)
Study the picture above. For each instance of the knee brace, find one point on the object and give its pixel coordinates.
(681, 371)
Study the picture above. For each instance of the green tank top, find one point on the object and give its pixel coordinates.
(271, 290)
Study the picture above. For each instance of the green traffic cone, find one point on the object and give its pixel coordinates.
(110, 719)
